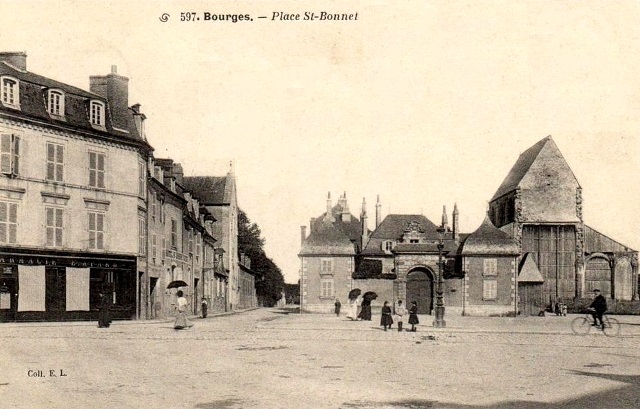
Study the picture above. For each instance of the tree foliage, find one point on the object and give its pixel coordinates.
(251, 243)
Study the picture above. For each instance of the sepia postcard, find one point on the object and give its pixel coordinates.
(223, 204)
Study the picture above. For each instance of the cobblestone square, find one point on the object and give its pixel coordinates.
(268, 358)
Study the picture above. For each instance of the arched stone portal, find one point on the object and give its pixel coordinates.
(420, 288)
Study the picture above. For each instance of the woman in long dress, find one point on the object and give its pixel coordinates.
(104, 316)
(413, 316)
(385, 319)
(353, 308)
(181, 320)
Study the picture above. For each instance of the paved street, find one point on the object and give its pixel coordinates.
(269, 359)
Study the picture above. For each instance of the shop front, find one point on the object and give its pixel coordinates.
(64, 286)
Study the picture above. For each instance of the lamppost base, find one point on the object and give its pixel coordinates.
(439, 322)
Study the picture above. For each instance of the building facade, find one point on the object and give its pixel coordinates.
(532, 251)
(66, 193)
(85, 208)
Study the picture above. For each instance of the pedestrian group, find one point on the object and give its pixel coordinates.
(360, 309)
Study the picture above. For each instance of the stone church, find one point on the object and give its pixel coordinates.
(531, 252)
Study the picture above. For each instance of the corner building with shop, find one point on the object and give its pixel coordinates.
(73, 177)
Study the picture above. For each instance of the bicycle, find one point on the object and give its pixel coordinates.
(583, 325)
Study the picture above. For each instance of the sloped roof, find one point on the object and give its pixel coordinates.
(352, 228)
(521, 167)
(529, 272)
(596, 242)
(488, 239)
(392, 228)
(33, 88)
(327, 239)
(209, 190)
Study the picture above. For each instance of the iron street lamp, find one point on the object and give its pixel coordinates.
(439, 322)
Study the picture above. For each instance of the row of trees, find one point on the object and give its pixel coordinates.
(251, 243)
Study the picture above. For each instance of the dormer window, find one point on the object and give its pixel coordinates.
(387, 246)
(96, 113)
(56, 102)
(9, 93)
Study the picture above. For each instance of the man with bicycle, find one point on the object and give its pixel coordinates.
(598, 307)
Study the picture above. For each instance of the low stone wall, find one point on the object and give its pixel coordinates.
(489, 311)
(621, 307)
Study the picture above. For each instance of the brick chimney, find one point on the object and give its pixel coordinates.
(115, 88)
(303, 234)
(17, 59)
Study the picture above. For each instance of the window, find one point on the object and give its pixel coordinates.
(489, 289)
(326, 266)
(162, 211)
(142, 236)
(8, 222)
(55, 162)
(142, 179)
(326, 287)
(387, 246)
(54, 226)
(96, 113)
(190, 241)
(198, 246)
(414, 241)
(490, 267)
(10, 92)
(154, 249)
(96, 231)
(154, 206)
(96, 170)
(163, 249)
(56, 103)
(174, 233)
(9, 153)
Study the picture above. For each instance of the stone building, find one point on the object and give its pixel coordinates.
(218, 195)
(531, 252)
(539, 204)
(66, 195)
(85, 207)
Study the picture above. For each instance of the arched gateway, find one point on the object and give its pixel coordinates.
(420, 288)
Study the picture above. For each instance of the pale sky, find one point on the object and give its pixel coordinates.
(424, 103)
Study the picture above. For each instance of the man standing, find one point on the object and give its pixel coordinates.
(598, 307)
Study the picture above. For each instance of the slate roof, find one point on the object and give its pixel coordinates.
(327, 238)
(352, 229)
(33, 96)
(521, 167)
(210, 190)
(392, 228)
(489, 240)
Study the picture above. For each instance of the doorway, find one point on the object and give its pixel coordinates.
(420, 290)
(8, 299)
(152, 298)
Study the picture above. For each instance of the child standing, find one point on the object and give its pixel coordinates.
(413, 316)
(400, 312)
(385, 319)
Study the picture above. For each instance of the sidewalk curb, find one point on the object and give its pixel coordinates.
(118, 322)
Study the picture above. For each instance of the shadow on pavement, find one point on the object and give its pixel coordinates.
(626, 396)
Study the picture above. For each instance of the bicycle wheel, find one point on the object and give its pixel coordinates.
(581, 326)
(611, 327)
